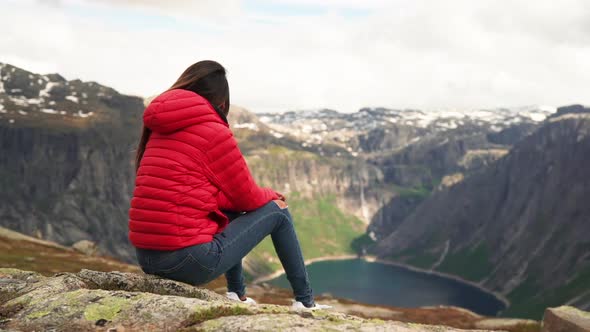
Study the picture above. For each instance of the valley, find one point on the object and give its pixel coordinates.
(493, 196)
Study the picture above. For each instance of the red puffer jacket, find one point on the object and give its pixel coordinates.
(191, 169)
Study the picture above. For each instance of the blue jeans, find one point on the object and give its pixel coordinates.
(204, 262)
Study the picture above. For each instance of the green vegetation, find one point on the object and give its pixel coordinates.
(524, 303)
(107, 308)
(472, 264)
(423, 261)
(420, 192)
(216, 312)
(322, 229)
(362, 242)
(419, 257)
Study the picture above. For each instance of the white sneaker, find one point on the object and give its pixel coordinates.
(298, 306)
(234, 296)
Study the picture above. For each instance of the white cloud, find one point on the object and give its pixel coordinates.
(401, 53)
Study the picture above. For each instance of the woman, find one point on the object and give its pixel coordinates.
(189, 170)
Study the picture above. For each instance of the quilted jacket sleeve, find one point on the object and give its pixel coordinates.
(230, 173)
(224, 204)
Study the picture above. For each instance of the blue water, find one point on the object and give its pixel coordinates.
(376, 283)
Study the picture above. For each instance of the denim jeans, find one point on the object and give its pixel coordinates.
(204, 262)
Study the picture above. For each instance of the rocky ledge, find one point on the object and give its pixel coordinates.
(123, 301)
(118, 301)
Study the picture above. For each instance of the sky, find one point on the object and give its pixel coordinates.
(308, 54)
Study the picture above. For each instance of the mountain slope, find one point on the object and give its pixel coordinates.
(519, 227)
(65, 168)
(18, 251)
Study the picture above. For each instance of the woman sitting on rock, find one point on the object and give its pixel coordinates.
(190, 177)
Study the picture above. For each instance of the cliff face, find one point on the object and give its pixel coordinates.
(289, 165)
(65, 166)
(66, 187)
(517, 227)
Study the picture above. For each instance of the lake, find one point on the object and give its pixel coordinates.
(377, 283)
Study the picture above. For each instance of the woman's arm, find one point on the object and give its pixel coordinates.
(230, 173)
(224, 204)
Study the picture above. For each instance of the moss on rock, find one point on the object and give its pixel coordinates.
(107, 309)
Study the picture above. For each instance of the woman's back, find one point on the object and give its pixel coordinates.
(173, 197)
(190, 156)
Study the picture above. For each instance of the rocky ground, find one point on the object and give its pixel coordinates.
(122, 301)
(20, 253)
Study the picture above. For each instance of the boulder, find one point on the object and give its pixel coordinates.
(86, 247)
(566, 319)
(109, 301)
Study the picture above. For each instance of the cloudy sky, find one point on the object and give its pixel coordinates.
(299, 54)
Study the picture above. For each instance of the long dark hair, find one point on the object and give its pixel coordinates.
(206, 78)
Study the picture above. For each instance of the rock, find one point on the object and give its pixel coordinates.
(451, 180)
(508, 323)
(566, 319)
(109, 301)
(290, 322)
(86, 247)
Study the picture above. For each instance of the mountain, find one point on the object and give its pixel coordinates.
(68, 147)
(382, 129)
(66, 169)
(66, 163)
(415, 152)
(429, 185)
(518, 227)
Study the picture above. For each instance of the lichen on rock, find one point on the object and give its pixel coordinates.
(91, 300)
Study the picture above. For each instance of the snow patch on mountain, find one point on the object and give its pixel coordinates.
(2, 79)
(73, 99)
(49, 111)
(82, 114)
(320, 126)
(246, 125)
(46, 93)
(318, 121)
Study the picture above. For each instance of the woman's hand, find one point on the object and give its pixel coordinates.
(282, 205)
(281, 196)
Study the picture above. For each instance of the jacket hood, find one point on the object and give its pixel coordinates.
(177, 109)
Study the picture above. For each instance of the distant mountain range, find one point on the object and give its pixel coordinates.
(354, 130)
(434, 188)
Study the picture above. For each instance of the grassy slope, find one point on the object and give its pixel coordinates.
(322, 229)
(22, 253)
(471, 264)
(526, 304)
